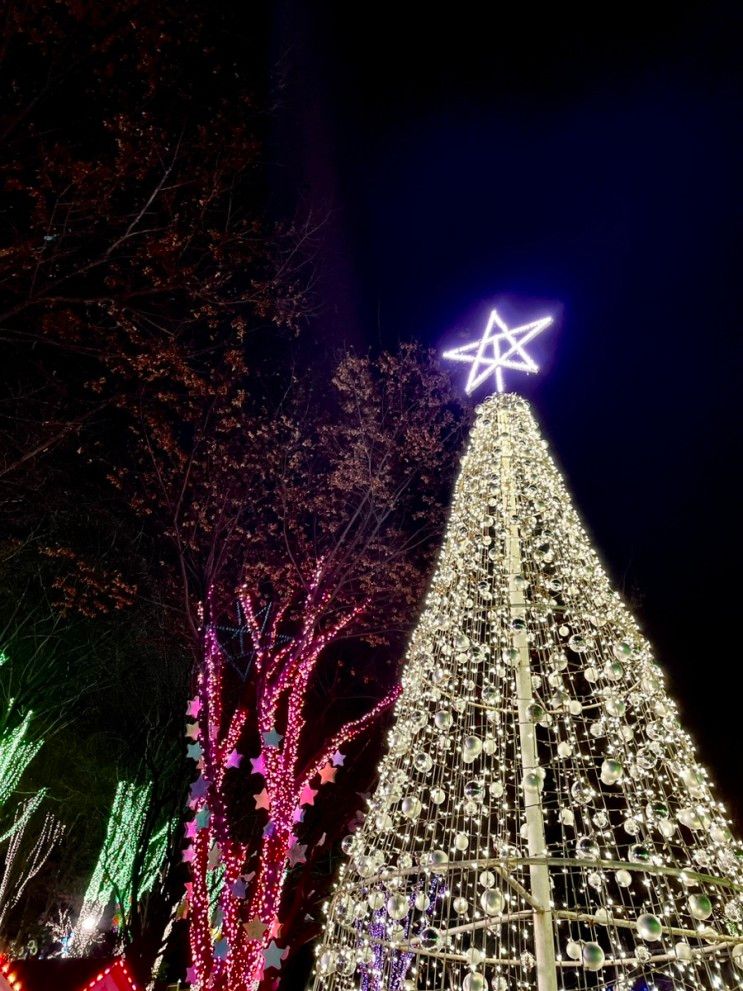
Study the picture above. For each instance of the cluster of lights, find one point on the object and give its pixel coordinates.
(112, 876)
(537, 770)
(234, 905)
(16, 753)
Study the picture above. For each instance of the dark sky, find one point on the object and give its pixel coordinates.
(588, 168)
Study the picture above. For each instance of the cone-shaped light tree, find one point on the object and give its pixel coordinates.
(541, 820)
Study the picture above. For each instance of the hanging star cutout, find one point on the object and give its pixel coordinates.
(199, 788)
(337, 759)
(254, 928)
(233, 759)
(258, 764)
(192, 829)
(327, 774)
(262, 800)
(192, 731)
(298, 854)
(298, 816)
(238, 888)
(194, 751)
(499, 347)
(273, 955)
(307, 795)
(194, 707)
(272, 738)
(192, 975)
(221, 949)
(202, 818)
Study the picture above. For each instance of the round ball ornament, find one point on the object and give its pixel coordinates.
(700, 906)
(492, 901)
(474, 982)
(593, 956)
(397, 907)
(649, 927)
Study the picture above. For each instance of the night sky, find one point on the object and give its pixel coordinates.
(585, 168)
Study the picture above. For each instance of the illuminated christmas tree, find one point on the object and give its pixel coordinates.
(541, 819)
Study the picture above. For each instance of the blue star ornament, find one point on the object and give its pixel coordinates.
(499, 347)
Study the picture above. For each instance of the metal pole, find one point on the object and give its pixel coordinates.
(544, 942)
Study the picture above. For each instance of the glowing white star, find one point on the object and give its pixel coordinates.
(496, 351)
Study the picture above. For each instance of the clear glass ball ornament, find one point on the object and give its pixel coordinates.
(578, 643)
(499, 983)
(649, 927)
(422, 901)
(461, 841)
(487, 879)
(411, 807)
(430, 938)
(611, 771)
(700, 906)
(573, 950)
(623, 878)
(527, 960)
(438, 795)
(564, 749)
(682, 951)
(581, 792)
(437, 858)
(492, 901)
(586, 848)
(474, 790)
(460, 905)
(376, 899)
(423, 761)
(639, 854)
(474, 956)
(567, 817)
(471, 749)
(397, 906)
(737, 955)
(593, 956)
(474, 982)
(326, 961)
(346, 962)
(443, 719)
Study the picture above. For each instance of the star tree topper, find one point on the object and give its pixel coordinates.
(499, 347)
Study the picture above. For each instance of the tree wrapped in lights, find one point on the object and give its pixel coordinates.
(112, 877)
(541, 819)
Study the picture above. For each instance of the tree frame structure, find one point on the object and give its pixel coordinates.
(541, 818)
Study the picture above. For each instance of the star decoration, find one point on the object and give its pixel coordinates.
(327, 774)
(192, 829)
(233, 759)
(202, 818)
(199, 787)
(273, 955)
(221, 949)
(258, 764)
(338, 759)
(238, 888)
(298, 854)
(276, 929)
(254, 928)
(496, 351)
(194, 707)
(269, 829)
(189, 854)
(262, 800)
(298, 815)
(192, 975)
(272, 738)
(192, 731)
(307, 795)
(194, 751)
